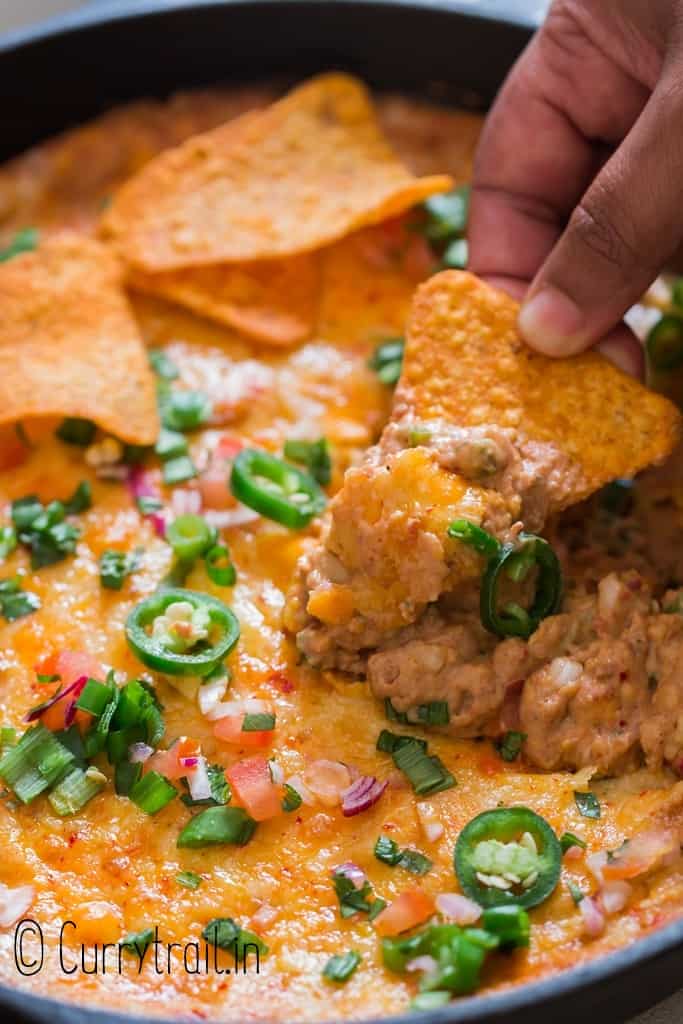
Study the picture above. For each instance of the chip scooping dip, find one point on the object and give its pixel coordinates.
(289, 179)
(484, 431)
(69, 345)
(272, 301)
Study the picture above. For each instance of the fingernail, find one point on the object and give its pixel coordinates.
(551, 323)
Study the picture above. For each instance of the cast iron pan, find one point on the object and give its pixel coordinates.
(76, 66)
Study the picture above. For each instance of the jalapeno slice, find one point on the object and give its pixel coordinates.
(275, 489)
(664, 343)
(210, 632)
(508, 856)
(516, 561)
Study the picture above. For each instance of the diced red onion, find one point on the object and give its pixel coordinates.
(141, 485)
(189, 762)
(138, 753)
(224, 519)
(425, 963)
(458, 908)
(614, 896)
(276, 773)
(593, 918)
(70, 713)
(263, 917)
(198, 780)
(14, 903)
(74, 689)
(352, 872)
(364, 792)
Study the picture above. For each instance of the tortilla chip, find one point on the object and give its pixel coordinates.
(273, 301)
(289, 179)
(465, 362)
(69, 345)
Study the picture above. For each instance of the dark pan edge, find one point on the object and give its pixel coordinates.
(610, 985)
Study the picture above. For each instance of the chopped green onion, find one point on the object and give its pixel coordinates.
(220, 789)
(35, 763)
(94, 697)
(115, 566)
(415, 862)
(126, 775)
(436, 712)
(387, 360)
(190, 536)
(8, 738)
(568, 839)
(291, 801)
(75, 790)
(137, 942)
(147, 504)
(170, 444)
(227, 934)
(388, 742)
(387, 851)
(188, 879)
(76, 431)
(25, 240)
(455, 254)
(8, 541)
(376, 907)
(217, 825)
(341, 966)
(664, 344)
(152, 792)
(16, 603)
(588, 804)
(483, 542)
(351, 900)
(262, 721)
(80, 500)
(509, 924)
(25, 510)
(219, 567)
(314, 455)
(510, 745)
(184, 410)
(177, 471)
(161, 364)
(427, 774)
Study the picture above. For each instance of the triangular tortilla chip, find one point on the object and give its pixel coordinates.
(289, 179)
(466, 363)
(575, 424)
(69, 345)
(273, 301)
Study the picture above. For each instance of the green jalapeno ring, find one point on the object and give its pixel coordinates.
(548, 594)
(156, 656)
(276, 489)
(506, 824)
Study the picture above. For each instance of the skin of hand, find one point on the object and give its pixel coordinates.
(578, 179)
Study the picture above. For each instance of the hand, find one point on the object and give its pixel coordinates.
(578, 182)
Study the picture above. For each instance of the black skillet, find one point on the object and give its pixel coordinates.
(75, 66)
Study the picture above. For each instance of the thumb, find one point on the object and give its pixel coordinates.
(624, 230)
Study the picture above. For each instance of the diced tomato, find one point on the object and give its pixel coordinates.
(255, 790)
(69, 666)
(213, 483)
(228, 447)
(229, 729)
(168, 762)
(409, 909)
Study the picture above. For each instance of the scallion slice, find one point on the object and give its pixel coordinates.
(137, 942)
(261, 721)
(25, 240)
(188, 879)
(217, 825)
(177, 471)
(510, 745)
(190, 536)
(152, 792)
(341, 966)
(35, 763)
(170, 444)
(94, 697)
(75, 790)
(587, 804)
(568, 840)
(227, 934)
(387, 850)
(184, 410)
(415, 862)
(291, 801)
(219, 567)
(314, 455)
(76, 431)
(162, 365)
